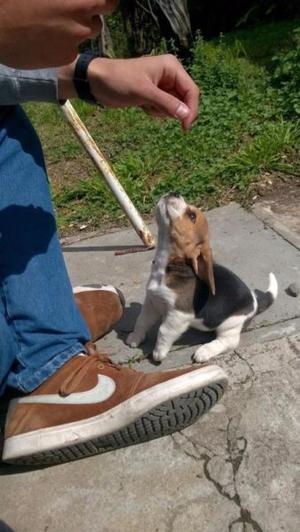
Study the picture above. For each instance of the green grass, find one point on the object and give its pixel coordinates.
(241, 133)
(261, 43)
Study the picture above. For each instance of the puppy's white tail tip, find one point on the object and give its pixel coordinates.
(273, 285)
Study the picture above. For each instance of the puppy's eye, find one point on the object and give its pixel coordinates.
(192, 216)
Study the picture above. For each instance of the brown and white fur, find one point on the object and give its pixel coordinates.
(187, 289)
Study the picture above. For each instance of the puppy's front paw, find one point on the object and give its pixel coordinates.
(158, 356)
(202, 354)
(133, 340)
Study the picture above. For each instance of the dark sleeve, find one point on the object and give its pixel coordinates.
(17, 86)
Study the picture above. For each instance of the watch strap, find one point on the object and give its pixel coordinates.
(80, 78)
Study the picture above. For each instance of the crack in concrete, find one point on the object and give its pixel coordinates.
(245, 519)
(236, 456)
(269, 221)
(235, 450)
(263, 325)
(293, 347)
(252, 374)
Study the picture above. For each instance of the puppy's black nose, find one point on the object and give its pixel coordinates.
(173, 195)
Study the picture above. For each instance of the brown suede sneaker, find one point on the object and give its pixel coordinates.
(91, 405)
(101, 306)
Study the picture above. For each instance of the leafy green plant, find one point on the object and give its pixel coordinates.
(286, 77)
(215, 66)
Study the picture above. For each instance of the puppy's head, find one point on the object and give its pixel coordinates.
(188, 233)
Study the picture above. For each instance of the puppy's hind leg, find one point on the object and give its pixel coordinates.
(148, 316)
(173, 326)
(228, 338)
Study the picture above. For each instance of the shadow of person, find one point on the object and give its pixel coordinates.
(4, 527)
(24, 233)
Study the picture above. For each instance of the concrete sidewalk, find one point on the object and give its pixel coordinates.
(236, 469)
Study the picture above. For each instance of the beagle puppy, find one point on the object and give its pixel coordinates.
(187, 289)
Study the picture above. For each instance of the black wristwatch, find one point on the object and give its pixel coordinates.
(80, 78)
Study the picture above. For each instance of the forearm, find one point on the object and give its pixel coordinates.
(40, 85)
(17, 86)
(65, 86)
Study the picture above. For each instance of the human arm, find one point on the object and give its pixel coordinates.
(158, 84)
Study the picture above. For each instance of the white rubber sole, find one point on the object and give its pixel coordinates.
(71, 435)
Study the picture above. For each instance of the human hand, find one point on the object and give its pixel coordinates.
(43, 33)
(158, 84)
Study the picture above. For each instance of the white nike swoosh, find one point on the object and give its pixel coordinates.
(101, 392)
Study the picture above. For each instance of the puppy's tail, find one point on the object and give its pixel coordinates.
(266, 299)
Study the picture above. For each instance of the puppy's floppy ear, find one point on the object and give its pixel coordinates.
(203, 266)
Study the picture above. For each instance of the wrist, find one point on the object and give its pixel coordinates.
(66, 87)
(104, 80)
(81, 78)
(66, 74)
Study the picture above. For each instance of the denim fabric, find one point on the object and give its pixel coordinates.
(40, 325)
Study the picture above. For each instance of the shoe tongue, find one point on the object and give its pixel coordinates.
(91, 348)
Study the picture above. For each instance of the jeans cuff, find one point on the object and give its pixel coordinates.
(32, 378)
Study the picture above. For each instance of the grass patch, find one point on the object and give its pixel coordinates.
(242, 132)
(264, 41)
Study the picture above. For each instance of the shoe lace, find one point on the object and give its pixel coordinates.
(93, 359)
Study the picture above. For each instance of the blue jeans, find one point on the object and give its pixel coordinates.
(40, 325)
